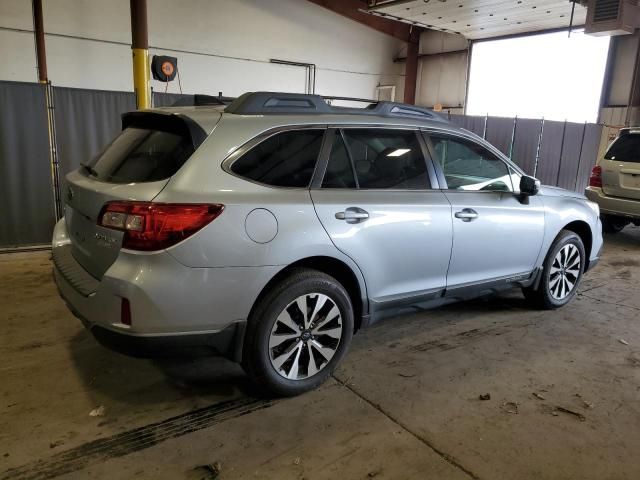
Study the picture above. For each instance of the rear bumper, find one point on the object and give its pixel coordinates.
(614, 205)
(226, 342)
(222, 343)
(172, 306)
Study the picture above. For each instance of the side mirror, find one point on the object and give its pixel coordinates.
(529, 186)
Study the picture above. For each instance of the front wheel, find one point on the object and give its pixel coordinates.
(298, 333)
(562, 272)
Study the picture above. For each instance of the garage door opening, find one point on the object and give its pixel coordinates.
(550, 75)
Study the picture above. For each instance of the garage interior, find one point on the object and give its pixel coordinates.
(483, 389)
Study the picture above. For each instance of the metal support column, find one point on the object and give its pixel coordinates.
(140, 51)
(41, 58)
(411, 67)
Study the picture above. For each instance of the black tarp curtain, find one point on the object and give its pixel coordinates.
(87, 120)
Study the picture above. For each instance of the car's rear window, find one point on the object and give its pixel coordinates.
(625, 149)
(142, 155)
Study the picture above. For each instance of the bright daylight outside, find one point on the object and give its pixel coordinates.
(552, 76)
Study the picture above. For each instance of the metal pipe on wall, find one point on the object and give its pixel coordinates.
(535, 165)
(513, 137)
(564, 134)
(140, 52)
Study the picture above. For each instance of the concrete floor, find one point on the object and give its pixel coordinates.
(405, 404)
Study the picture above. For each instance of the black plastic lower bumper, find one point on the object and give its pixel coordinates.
(221, 343)
(593, 262)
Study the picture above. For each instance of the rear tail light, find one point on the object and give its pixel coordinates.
(595, 180)
(154, 226)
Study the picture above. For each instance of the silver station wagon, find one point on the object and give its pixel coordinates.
(272, 229)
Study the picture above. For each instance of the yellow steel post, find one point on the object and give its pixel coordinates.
(141, 78)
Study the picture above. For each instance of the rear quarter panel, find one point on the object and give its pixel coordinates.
(225, 242)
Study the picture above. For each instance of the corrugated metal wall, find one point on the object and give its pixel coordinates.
(87, 120)
(558, 153)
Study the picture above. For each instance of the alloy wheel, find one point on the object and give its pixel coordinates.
(564, 272)
(305, 336)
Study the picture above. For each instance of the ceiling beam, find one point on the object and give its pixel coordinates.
(354, 10)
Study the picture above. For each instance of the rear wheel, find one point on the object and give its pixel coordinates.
(298, 333)
(562, 272)
(612, 224)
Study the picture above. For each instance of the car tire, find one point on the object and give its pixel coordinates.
(612, 224)
(280, 341)
(561, 275)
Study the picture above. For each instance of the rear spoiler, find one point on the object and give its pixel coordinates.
(166, 122)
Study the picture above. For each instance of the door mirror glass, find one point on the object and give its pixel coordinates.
(529, 185)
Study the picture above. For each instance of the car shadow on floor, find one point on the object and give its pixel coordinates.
(628, 237)
(146, 382)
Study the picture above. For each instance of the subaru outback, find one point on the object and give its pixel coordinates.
(272, 229)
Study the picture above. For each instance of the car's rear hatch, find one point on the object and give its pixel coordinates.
(136, 166)
(621, 166)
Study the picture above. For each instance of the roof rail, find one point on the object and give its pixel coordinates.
(265, 103)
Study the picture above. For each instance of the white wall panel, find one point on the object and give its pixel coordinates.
(221, 45)
(442, 79)
(18, 56)
(16, 14)
(232, 77)
(625, 53)
(89, 64)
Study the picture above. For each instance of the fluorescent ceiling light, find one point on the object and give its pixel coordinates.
(398, 152)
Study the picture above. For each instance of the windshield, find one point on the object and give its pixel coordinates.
(625, 149)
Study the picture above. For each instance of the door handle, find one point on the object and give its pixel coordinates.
(467, 214)
(353, 215)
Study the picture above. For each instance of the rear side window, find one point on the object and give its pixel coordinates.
(379, 158)
(625, 149)
(142, 155)
(286, 159)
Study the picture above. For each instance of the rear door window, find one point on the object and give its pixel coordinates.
(286, 159)
(376, 158)
(142, 155)
(625, 149)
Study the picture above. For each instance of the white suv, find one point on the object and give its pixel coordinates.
(615, 182)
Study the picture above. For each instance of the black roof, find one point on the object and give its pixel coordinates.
(265, 103)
